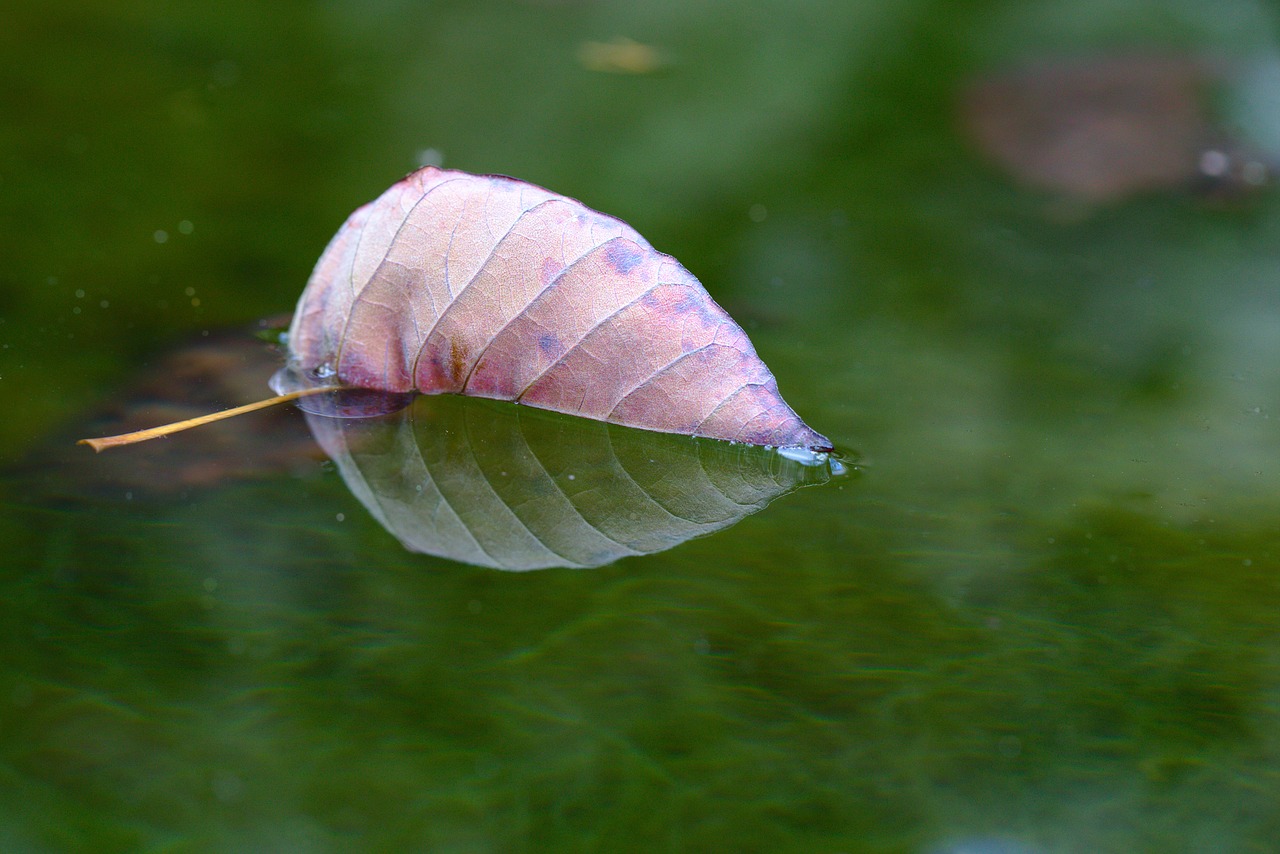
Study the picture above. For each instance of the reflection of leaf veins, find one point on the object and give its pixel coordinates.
(509, 487)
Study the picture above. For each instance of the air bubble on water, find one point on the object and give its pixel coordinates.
(804, 456)
(160, 236)
(336, 402)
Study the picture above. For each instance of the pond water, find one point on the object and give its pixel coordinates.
(1037, 614)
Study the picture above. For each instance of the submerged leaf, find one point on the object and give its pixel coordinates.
(223, 369)
(512, 488)
(491, 287)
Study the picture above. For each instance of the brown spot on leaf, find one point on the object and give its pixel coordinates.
(457, 363)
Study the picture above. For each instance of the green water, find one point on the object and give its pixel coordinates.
(1039, 616)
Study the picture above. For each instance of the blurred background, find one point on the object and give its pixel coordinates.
(1018, 259)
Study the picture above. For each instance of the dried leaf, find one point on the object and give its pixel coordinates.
(513, 488)
(491, 287)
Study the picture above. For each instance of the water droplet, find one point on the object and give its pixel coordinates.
(161, 236)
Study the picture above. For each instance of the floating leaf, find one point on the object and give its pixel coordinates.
(513, 488)
(491, 287)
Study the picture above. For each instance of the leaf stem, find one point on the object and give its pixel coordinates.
(100, 445)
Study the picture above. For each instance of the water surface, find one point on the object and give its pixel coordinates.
(1039, 616)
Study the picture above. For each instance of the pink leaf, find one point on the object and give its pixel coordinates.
(491, 287)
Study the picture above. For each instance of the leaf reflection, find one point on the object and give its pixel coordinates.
(511, 487)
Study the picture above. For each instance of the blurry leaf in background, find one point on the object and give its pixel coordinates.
(1104, 128)
(510, 487)
(621, 56)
